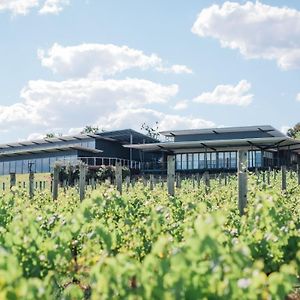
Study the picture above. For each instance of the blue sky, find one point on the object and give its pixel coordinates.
(62, 64)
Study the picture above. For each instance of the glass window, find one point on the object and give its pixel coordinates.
(25, 166)
(52, 162)
(1, 168)
(6, 168)
(46, 165)
(227, 160)
(221, 160)
(38, 163)
(12, 166)
(208, 160)
(19, 164)
(213, 162)
(233, 160)
(184, 161)
(258, 158)
(190, 161)
(202, 160)
(196, 161)
(178, 161)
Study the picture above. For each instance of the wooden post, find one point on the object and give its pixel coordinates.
(82, 179)
(31, 185)
(171, 174)
(178, 180)
(193, 181)
(151, 182)
(127, 180)
(226, 180)
(283, 178)
(242, 180)
(206, 181)
(161, 181)
(198, 180)
(56, 169)
(269, 176)
(119, 177)
(12, 179)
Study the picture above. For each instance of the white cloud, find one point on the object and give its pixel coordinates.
(255, 29)
(98, 60)
(180, 105)
(53, 6)
(176, 69)
(298, 97)
(18, 7)
(80, 102)
(228, 95)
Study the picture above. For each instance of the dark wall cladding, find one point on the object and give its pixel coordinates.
(221, 136)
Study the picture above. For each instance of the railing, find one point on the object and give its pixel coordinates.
(110, 161)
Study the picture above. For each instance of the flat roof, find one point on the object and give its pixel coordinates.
(262, 128)
(48, 150)
(123, 135)
(49, 141)
(223, 145)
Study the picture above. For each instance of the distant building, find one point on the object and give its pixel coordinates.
(104, 148)
(215, 149)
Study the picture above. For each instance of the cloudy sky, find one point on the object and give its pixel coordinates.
(116, 64)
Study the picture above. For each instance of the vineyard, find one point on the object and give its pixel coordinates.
(145, 244)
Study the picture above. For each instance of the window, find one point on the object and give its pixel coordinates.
(25, 166)
(6, 168)
(195, 161)
(190, 161)
(233, 160)
(12, 166)
(19, 165)
(1, 168)
(202, 161)
(258, 159)
(178, 161)
(221, 160)
(213, 162)
(46, 165)
(38, 163)
(184, 161)
(227, 160)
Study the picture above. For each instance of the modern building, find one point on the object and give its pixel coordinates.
(215, 149)
(105, 148)
(195, 150)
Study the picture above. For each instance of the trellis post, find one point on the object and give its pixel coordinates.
(119, 177)
(151, 182)
(82, 179)
(171, 174)
(55, 180)
(242, 180)
(178, 180)
(12, 179)
(283, 178)
(31, 185)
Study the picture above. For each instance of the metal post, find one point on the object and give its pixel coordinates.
(171, 174)
(283, 178)
(119, 177)
(56, 169)
(31, 185)
(242, 180)
(82, 179)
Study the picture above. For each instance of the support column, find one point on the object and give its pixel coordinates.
(171, 174)
(119, 177)
(242, 180)
(56, 169)
(82, 179)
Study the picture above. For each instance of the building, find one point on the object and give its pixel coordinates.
(215, 149)
(105, 148)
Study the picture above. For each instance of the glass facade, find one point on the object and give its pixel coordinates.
(37, 165)
(220, 160)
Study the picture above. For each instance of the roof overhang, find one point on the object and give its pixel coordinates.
(48, 150)
(272, 143)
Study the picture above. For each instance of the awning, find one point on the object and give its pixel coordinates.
(48, 150)
(271, 143)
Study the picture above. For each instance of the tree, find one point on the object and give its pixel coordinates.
(90, 129)
(153, 131)
(50, 135)
(294, 132)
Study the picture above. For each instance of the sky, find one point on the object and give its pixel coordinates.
(115, 64)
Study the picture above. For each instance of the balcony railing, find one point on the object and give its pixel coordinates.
(110, 161)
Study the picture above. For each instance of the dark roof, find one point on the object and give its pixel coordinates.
(268, 143)
(48, 150)
(49, 141)
(124, 136)
(263, 128)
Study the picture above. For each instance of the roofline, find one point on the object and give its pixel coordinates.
(172, 133)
